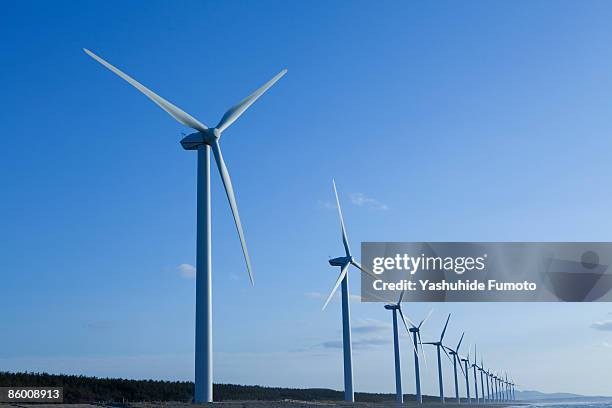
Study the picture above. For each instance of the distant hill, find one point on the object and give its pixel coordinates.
(81, 389)
(539, 396)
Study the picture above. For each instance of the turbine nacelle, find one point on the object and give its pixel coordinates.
(341, 261)
(197, 139)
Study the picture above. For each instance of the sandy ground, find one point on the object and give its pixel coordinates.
(263, 404)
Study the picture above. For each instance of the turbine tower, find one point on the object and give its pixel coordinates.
(397, 307)
(344, 263)
(204, 139)
(439, 346)
(466, 373)
(416, 340)
(455, 354)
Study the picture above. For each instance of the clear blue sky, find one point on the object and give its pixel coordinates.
(447, 121)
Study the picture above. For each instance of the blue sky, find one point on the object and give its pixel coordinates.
(484, 121)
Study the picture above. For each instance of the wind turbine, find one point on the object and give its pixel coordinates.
(475, 368)
(397, 307)
(204, 139)
(497, 395)
(507, 387)
(439, 346)
(455, 354)
(490, 380)
(494, 387)
(416, 340)
(344, 263)
(482, 375)
(466, 373)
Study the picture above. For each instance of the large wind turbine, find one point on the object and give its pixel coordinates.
(416, 340)
(397, 307)
(439, 346)
(344, 263)
(204, 139)
(455, 354)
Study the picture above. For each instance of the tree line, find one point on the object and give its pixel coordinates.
(83, 389)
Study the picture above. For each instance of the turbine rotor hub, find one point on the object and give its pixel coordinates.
(194, 140)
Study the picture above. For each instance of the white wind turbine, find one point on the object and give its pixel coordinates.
(344, 262)
(204, 139)
(416, 341)
(466, 373)
(456, 359)
(397, 307)
(440, 346)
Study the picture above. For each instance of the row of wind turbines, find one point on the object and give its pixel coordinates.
(498, 388)
(206, 139)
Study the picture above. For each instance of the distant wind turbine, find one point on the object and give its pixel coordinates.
(456, 358)
(466, 373)
(475, 368)
(416, 340)
(507, 387)
(344, 263)
(439, 346)
(482, 385)
(204, 140)
(490, 385)
(397, 307)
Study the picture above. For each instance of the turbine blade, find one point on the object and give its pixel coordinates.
(408, 318)
(422, 350)
(406, 326)
(447, 355)
(338, 281)
(174, 111)
(460, 340)
(425, 319)
(399, 301)
(364, 270)
(445, 326)
(461, 365)
(347, 249)
(229, 190)
(235, 111)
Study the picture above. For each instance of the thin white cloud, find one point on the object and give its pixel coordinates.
(326, 205)
(605, 325)
(367, 333)
(187, 271)
(371, 326)
(606, 344)
(361, 200)
(313, 295)
(319, 295)
(358, 343)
